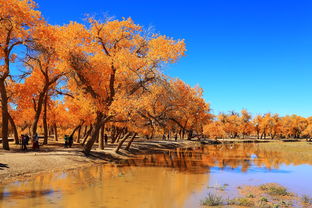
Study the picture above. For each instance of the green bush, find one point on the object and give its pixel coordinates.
(273, 189)
(212, 200)
(306, 199)
(241, 202)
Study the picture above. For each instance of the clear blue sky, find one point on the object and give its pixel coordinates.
(253, 54)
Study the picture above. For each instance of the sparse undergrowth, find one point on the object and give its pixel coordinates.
(307, 200)
(212, 200)
(275, 189)
(243, 201)
(269, 195)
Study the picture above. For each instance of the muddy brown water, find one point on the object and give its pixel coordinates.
(176, 178)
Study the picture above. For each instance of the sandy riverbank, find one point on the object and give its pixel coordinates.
(18, 165)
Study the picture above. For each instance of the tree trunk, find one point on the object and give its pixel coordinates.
(5, 119)
(86, 135)
(101, 145)
(100, 120)
(55, 132)
(273, 136)
(121, 142)
(49, 131)
(45, 123)
(14, 129)
(77, 127)
(38, 109)
(190, 134)
(97, 137)
(117, 133)
(79, 135)
(119, 136)
(85, 131)
(130, 142)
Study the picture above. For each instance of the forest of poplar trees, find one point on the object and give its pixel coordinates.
(105, 77)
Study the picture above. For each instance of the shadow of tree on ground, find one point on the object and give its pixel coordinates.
(2, 166)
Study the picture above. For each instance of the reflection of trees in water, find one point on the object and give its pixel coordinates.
(127, 184)
(109, 186)
(200, 159)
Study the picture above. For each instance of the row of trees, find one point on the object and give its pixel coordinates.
(104, 75)
(104, 78)
(233, 125)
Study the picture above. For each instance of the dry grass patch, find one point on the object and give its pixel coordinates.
(275, 189)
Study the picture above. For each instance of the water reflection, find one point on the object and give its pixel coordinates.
(106, 186)
(201, 159)
(173, 179)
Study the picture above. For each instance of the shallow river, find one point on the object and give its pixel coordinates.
(176, 178)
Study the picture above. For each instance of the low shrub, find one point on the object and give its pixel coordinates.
(274, 189)
(212, 200)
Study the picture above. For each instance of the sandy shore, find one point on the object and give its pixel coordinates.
(18, 165)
